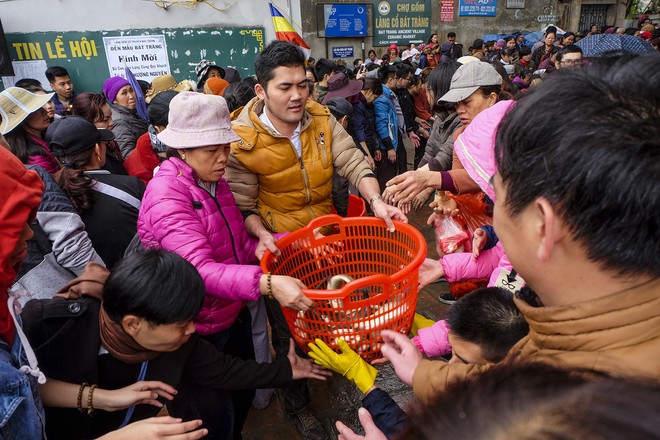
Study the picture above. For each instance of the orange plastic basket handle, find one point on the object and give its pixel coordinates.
(307, 231)
(347, 288)
(321, 222)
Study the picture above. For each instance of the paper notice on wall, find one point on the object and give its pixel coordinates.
(28, 69)
(145, 55)
(447, 11)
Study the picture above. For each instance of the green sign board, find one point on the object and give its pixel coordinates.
(83, 53)
(401, 21)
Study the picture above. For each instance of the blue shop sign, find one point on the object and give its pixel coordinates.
(345, 20)
(342, 52)
(477, 8)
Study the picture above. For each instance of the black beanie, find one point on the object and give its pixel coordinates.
(159, 107)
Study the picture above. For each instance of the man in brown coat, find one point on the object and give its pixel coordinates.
(577, 212)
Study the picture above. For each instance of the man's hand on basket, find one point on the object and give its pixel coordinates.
(402, 353)
(287, 291)
(347, 363)
(387, 213)
(305, 368)
(266, 242)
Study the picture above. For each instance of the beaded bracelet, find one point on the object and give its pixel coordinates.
(270, 287)
(80, 393)
(90, 403)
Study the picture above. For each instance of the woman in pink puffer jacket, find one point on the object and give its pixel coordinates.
(179, 215)
(188, 209)
(475, 149)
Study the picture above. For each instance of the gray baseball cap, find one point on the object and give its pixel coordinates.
(468, 78)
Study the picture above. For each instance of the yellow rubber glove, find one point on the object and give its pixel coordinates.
(348, 363)
(420, 321)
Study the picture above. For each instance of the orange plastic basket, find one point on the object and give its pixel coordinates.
(383, 294)
(356, 207)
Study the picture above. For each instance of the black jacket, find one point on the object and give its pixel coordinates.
(65, 337)
(112, 223)
(387, 415)
(370, 128)
(408, 108)
(456, 51)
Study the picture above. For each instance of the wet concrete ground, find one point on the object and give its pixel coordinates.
(337, 398)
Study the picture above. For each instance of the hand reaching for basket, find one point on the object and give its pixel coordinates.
(404, 187)
(287, 291)
(402, 353)
(429, 272)
(159, 428)
(347, 363)
(447, 207)
(305, 368)
(371, 431)
(388, 213)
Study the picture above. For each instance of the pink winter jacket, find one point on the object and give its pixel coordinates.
(46, 161)
(180, 216)
(433, 341)
(461, 266)
(475, 148)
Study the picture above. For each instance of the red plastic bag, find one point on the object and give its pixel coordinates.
(450, 235)
(472, 210)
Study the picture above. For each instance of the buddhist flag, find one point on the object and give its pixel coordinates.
(285, 32)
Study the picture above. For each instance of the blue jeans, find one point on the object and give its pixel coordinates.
(21, 412)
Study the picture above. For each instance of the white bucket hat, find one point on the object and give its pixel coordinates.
(197, 120)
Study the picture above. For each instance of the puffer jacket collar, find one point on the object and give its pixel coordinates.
(249, 117)
(123, 110)
(448, 119)
(627, 318)
(178, 168)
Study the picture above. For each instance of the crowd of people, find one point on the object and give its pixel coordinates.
(132, 222)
